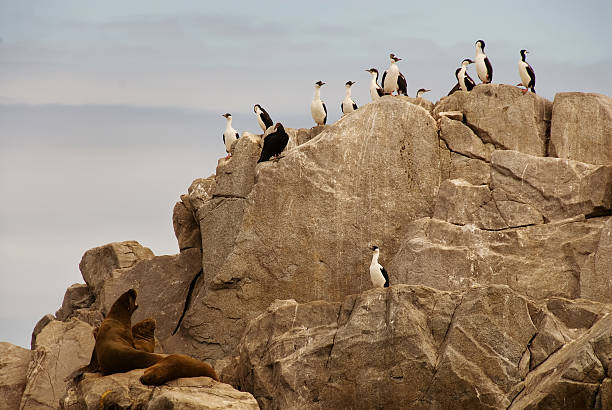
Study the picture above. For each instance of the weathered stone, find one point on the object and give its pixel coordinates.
(581, 128)
(235, 177)
(549, 339)
(474, 171)
(585, 367)
(578, 314)
(602, 346)
(310, 219)
(453, 115)
(98, 264)
(77, 297)
(566, 394)
(557, 188)
(605, 393)
(163, 286)
(461, 139)
(186, 228)
(199, 192)
(503, 116)
(538, 261)
(299, 136)
(14, 362)
(42, 322)
(61, 348)
(421, 102)
(596, 278)
(124, 390)
(462, 203)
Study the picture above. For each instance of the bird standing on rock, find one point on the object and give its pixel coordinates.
(318, 110)
(378, 274)
(263, 118)
(527, 74)
(229, 135)
(274, 143)
(375, 90)
(484, 69)
(393, 80)
(463, 78)
(348, 105)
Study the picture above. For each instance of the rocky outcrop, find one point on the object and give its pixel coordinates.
(124, 391)
(503, 116)
(61, 348)
(360, 181)
(416, 347)
(581, 128)
(14, 362)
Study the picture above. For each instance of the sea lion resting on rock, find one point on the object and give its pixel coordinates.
(117, 352)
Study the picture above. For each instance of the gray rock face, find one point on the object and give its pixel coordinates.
(415, 347)
(77, 297)
(538, 261)
(98, 264)
(389, 149)
(61, 348)
(14, 362)
(581, 128)
(124, 390)
(186, 228)
(503, 116)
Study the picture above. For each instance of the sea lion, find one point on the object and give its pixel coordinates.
(144, 335)
(116, 352)
(175, 366)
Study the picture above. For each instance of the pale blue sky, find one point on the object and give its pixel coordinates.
(108, 110)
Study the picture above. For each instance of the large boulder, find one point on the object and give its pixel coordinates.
(14, 362)
(415, 347)
(503, 116)
(61, 348)
(538, 261)
(125, 391)
(99, 264)
(305, 229)
(581, 128)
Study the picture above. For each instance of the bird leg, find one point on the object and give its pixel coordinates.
(276, 158)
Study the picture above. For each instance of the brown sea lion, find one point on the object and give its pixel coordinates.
(144, 335)
(115, 351)
(175, 366)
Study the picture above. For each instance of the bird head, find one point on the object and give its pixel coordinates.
(374, 248)
(257, 108)
(422, 91)
(393, 58)
(480, 44)
(349, 83)
(227, 115)
(278, 126)
(523, 52)
(466, 62)
(319, 84)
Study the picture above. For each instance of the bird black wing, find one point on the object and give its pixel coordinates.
(489, 68)
(469, 83)
(531, 74)
(455, 88)
(274, 144)
(402, 85)
(385, 275)
(265, 117)
(354, 105)
(342, 107)
(224, 138)
(324, 109)
(382, 82)
(266, 151)
(237, 136)
(380, 91)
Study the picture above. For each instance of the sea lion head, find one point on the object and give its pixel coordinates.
(124, 305)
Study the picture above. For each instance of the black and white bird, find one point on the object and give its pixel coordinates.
(317, 107)
(463, 78)
(526, 72)
(392, 79)
(484, 69)
(274, 143)
(348, 105)
(263, 118)
(376, 90)
(229, 135)
(421, 92)
(378, 274)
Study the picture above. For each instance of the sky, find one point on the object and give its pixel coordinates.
(108, 110)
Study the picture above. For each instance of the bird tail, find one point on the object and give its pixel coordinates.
(533, 90)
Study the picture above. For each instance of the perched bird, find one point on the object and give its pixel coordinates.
(229, 135)
(263, 118)
(456, 87)
(393, 80)
(421, 92)
(526, 72)
(317, 107)
(378, 274)
(348, 105)
(483, 65)
(375, 90)
(463, 78)
(274, 143)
